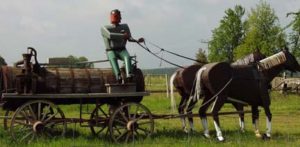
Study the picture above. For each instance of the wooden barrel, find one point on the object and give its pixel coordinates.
(73, 80)
(8, 78)
(69, 80)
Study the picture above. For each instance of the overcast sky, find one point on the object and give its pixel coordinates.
(58, 28)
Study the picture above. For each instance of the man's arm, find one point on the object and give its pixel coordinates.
(105, 33)
(130, 38)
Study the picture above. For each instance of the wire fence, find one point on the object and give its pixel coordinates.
(160, 83)
(157, 83)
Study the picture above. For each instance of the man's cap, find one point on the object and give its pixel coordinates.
(115, 11)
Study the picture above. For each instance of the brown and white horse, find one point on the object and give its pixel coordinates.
(184, 80)
(244, 83)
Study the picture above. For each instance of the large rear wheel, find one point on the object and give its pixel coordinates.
(37, 119)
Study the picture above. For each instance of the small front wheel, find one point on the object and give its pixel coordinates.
(131, 121)
(98, 120)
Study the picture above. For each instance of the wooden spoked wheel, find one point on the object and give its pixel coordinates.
(98, 120)
(37, 119)
(129, 122)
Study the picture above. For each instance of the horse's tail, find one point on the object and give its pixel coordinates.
(197, 92)
(173, 102)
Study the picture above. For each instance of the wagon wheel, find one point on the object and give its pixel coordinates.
(132, 121)
(6, 119)
(99, 120)
(37, 119)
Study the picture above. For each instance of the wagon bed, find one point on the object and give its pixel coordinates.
(10, 96)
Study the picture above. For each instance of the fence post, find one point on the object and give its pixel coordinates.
(167, 85)
(284, 85)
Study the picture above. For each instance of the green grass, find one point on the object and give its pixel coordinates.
(157, 82)
(168, 132)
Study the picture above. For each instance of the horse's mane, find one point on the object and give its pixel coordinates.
(273, 60)
(249, 59)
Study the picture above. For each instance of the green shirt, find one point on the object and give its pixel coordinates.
(113, 36)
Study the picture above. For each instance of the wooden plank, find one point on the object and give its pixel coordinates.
(171, 116)
(120, 88)
(72, 95)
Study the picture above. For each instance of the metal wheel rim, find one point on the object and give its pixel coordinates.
(98, 127)
(137, 125)
(27, 119)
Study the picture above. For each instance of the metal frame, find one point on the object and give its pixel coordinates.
(6, 96)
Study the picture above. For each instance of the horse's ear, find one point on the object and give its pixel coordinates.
(257, 50)
(286, 49)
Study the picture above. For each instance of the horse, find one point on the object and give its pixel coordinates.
(183, 80)
(244, 83)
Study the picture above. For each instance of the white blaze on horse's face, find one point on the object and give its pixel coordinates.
(273, 60)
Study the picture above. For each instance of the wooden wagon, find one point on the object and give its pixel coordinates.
(31, 95)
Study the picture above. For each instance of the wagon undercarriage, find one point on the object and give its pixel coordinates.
(41, 117)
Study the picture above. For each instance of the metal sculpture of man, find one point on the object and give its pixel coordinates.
(115, 38)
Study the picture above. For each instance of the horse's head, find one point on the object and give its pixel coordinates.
(291, 62)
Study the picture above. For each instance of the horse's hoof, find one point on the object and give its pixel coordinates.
(192, 131)
(258, 135)
(266, 137)
(206, 135)
(221, 138)
(243, 130)
(185, 130)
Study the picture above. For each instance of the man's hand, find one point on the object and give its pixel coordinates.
(140, 40)
(126, 35)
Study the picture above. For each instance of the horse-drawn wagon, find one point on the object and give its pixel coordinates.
(32, 93)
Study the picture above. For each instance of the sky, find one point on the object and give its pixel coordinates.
(59, 28)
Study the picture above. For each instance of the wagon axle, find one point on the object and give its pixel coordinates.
(132, 125)
(38, 126)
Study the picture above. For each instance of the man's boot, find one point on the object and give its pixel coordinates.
(119, 79)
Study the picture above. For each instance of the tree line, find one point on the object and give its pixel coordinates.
(71, 61)
(238, 35)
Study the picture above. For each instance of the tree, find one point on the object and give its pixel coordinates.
(70, 61)
(201, 56)
(77, 61)
(294, 36)
(2, 61)
(227, 36)
(263, 32)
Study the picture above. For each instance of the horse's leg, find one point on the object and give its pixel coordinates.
(181, 108)
(240, 107)
(219, 102)
(269, 124)
(202, 112)
(190, 107)
(255, 116)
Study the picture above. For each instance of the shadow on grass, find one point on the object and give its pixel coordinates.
(230, 136)
(166, 136)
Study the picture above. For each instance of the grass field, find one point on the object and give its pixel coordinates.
(285, 128)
